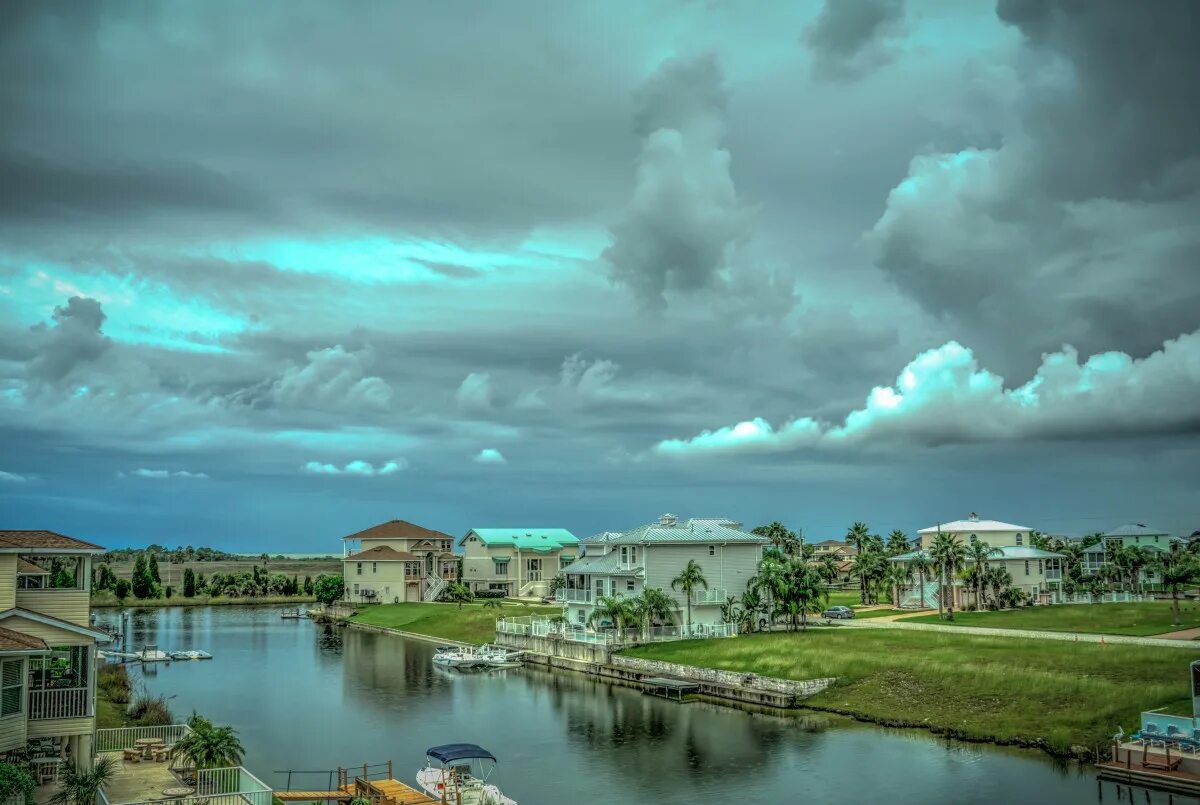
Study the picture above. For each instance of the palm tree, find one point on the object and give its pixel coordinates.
(947, 553)
(652, 605)
(1039, 540)
(752, 604)
(81, 787)
(978, 554)
(689, 579)
(897, 543)
(899, 576)
(782, 539)
(857, 537)
(1179, 568)
(614, 609)
(871, 567)
(770, 577)
(827, 566)
(493, 603)
(921, 564)
(208, 746)
(459, 593)
(998, 579)
(806, 595)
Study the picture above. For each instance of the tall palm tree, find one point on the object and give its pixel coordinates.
(921, 564)
(208, 746)
(947, 553)
(752, 604)
(897, 543)
(857, 537)
(1179, 568)
(978, 554)
(653, 605)
(782, 539)
(807, 595)
(998, 578)
(79, 786)
(899, 576)
(612, 608)
(689, 579)
(827, 566)
(871, 567)
(770, 579)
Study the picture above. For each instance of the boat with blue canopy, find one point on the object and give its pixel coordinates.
(457, 774)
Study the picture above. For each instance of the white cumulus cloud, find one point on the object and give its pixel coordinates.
(332, 379)
(943, 396)
(475, 392)
(163, 474)
(490, 455)
(356, 467)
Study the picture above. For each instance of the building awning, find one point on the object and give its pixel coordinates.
(501, 559)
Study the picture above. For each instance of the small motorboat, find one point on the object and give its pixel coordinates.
(462, 659)
(458, 773)
(193, 654)
(498, 656)
(291, 614)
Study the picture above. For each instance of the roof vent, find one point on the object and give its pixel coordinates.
(973, 517)
(668, 520)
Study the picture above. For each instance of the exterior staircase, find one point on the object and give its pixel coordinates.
(431, 588)
(912, 598)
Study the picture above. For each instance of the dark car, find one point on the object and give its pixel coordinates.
(844, 613)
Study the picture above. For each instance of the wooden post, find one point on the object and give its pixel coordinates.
(364, 772)
(390, 775)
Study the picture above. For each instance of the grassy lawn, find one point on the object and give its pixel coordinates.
(1038, 692)
(859, 614)
(472, 624)
(1143, 618)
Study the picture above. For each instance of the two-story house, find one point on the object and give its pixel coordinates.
(651, 556)
(1035, 572)
(397, 561)
(47, 648)
(516, 561)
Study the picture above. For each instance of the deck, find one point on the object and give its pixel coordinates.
(139, 782)
(374, 783)
(669, 688)
(1153, 767)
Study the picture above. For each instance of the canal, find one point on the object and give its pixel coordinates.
(309, 697)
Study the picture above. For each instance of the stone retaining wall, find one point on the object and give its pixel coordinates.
(798, 689)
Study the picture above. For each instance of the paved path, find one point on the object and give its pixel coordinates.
(1028, 634)
(1182, 634)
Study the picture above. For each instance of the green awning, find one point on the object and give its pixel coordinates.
(501, 559)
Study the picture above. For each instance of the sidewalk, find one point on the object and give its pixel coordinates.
(1073, 637)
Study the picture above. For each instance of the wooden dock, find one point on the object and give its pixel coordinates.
(668, 688)
(381, 788)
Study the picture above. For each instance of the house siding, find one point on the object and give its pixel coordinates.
(51, 634)
(67, 605)
(12, 732)
(8, 581)
(386, 579)
(56, 727)
(729, 568)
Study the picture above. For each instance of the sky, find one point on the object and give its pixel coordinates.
(273, 273)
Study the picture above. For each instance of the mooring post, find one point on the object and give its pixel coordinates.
(364, 772)
(390, 775)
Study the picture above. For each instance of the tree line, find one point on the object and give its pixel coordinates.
(146, 582)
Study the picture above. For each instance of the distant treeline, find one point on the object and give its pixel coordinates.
(146, 582)
(179, 555)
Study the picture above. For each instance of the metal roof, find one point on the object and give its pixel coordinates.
(1004, 552)
(608, 564)
(970, 526)
(525, 539)
(688, 531)
(1135, 530)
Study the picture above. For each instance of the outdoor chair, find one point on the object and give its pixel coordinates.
(132, 756)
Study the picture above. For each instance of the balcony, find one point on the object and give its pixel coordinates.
(564, 596)
(716, 595)
(60, 703)
(1053, 575)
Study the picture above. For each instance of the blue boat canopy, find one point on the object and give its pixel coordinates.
(448, 753)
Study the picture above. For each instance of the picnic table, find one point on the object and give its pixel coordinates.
(147, 745)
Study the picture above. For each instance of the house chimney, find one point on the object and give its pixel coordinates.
(668, 520)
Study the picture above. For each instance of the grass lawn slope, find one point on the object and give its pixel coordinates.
(1142, 618)
(1044, 693)
(474, 623)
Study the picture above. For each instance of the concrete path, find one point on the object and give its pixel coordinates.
(1182, 634)
(1028, 634)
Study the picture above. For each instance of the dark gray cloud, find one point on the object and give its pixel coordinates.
(848, 38)
(74, 339)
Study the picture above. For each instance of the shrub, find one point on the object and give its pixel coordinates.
(113, 680)
(489, 593)
(122, 589)
(15, 780)
(150, 711)
(329, 589)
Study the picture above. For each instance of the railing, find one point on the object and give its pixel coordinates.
(573, 596)
(60, 703)
(1053, 575)
(1104, 598)
(716, 595)
(534, 626)
(432, 587)
(115, 740)
(231, 786)
(1156, 722)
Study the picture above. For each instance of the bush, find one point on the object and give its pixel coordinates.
(489, 594)
(329, 589)
(122, 589)
(150, 711)
(15, 780)
(113, 681)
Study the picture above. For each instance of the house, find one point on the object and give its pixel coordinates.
(540, 555)
(397, 561)
(625, 563)
(1035, 572)
(47, 649)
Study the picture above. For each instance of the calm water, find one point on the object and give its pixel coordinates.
(309, 697)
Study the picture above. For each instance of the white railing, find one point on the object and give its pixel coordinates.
(716, 595)
(230, 786)
(60, 703)
(564, 596)
(1105, 598)
(115, 740)
(534, 626)
(1053, 575)
(432, 588)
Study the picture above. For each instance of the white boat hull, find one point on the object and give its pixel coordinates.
(474, 792)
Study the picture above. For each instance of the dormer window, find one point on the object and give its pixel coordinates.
(1020, 539)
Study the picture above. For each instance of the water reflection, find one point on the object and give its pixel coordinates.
(310, 696)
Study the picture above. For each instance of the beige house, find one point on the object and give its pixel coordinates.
(516, 561)
(1035, 572)
(47, 650)
(397, 561)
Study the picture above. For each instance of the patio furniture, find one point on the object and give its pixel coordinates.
(161, 753)
(147, 746)
(132, 755)
(45, 769)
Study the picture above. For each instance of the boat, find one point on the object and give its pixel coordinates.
(193, 654)
(291, 614)
(495, 656)
(461, 775)
(462, 659)
(152, 655)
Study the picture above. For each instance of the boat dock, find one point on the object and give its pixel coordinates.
(1158, 767)
(371, 782)
(668, 688)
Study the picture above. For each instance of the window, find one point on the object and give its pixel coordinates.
(356, 589)
(358, 569)
(501, 568)
(1040, 566)
(581, 616)
(50, 573)
(1020, 539)
(412, 570)
(624, 555)
(974, 539)
(712, 550)
(12, 688)
(564, 561)
(629, 585)
(374, 567)
(1026, 567)
(633, 555)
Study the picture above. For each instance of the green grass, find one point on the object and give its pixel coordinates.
(472, 624)
(859, 614)
(1142, 618)
(1052, 694)
(107, 599)
(843, 598)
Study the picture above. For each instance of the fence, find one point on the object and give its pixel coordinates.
(229, 786)
(1105, 598)
(60, 703)
(115, 740)
(533, 626)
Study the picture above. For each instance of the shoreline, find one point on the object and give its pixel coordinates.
(201, 601)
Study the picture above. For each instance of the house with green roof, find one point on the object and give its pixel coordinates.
(519, 562)
(624, 563)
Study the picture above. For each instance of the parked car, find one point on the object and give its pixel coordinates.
(843, 613)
